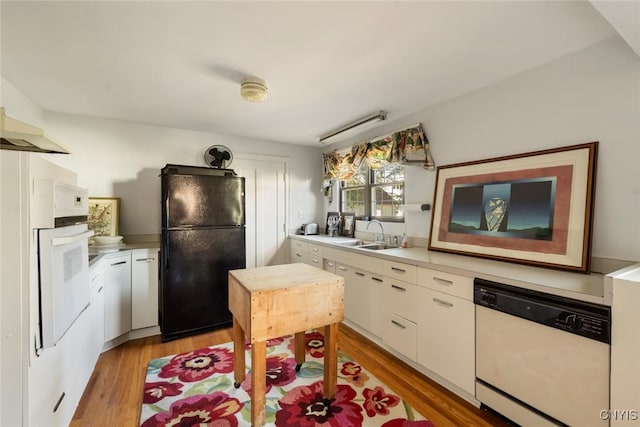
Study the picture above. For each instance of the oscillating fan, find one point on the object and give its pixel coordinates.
(218, 156)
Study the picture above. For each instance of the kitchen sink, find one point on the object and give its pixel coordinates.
(354, 243)
(361, 244)
(377, 246)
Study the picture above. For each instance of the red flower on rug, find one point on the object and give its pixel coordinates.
(199, 364)
(305, 406)
(280, 371)
(154, 392)
(378, 402)
(353, 373)
(209, 409)
(314, 344)
(401, 422)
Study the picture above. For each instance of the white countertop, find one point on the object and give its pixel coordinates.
(583, 287)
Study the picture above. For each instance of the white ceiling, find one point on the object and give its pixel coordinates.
(179, 63)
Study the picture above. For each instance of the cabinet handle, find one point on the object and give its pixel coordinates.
(331, 264)
(377, 279)
(398, 324)
(100, 290)
(443, 282)
(314, 249)
(400, 288)
(359, 274)
(59, 402)
(316, 260)
(299, 256)
(400, 270)
(342, 268)
(118, 263)
(443, 302)
(145, 259)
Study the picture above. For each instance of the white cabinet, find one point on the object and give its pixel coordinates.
(309, 253)
(375, 284)
(299, 251)
(117, 295)
(356, 297)
(144, 288)
(446, 327)
(329, 265)
(400, 306)
(314, 255)
(96, 313)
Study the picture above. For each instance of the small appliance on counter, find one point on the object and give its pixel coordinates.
(309, 229)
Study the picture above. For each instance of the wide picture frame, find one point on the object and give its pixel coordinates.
(104, 215)
(534, 208)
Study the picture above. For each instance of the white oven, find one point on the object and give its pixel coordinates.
(62, 237)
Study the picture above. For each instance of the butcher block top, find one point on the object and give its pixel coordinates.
(269, 302)
(283, 276)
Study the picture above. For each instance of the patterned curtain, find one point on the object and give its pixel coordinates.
(406, 146)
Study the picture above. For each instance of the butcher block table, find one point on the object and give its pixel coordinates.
(270, 302)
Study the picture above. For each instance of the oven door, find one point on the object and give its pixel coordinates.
(63, 263)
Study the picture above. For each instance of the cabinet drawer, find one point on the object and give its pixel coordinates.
(315, 260)
(451, 284)
(400, 334)
(398, 270)
(400, 298)
(298, 245)
(315, 250)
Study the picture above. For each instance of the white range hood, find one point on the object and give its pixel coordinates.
(20, 136)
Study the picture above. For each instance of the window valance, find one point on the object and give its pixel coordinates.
(406, 146)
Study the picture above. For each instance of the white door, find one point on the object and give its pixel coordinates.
(265, 207)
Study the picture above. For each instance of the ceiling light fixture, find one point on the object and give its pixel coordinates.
(379, 116)
(253, 90)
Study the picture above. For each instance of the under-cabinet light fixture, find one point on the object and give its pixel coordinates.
(327, 137)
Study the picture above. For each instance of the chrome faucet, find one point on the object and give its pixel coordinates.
(381, 228)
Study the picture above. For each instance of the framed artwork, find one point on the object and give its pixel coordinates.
(534, 208)
(348, 224)
(333, 223)
(104, 215)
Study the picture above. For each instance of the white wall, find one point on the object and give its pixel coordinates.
(120, 159)
(593, 95)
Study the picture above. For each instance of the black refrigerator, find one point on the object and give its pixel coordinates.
(203, 237)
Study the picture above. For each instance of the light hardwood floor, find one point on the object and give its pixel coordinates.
(113, 396)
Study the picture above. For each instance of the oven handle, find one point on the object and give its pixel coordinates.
(70, 239)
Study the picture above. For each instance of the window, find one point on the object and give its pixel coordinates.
(377, 194)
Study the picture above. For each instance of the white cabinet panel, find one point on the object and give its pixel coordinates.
(446, 341)
(399, 334)
(144, 288)
(299, 251)
(401, 298)
(451, 284)
(117, 296)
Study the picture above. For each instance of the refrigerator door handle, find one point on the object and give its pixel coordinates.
(166, 251)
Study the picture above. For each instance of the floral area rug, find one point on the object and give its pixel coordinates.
(196, 389)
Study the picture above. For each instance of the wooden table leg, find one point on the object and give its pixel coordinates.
(330, 360)
(258, 382)
(239, 372)
(301, 346)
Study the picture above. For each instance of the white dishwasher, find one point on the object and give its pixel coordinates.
(541, 359)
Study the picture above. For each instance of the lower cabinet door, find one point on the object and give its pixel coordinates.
(446, 338)
(399, 334)
(117, 295)
(144, 289)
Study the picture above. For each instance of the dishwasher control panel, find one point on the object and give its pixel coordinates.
(577, 317)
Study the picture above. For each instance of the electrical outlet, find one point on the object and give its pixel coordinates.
(300, 214)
